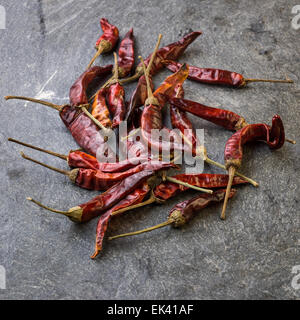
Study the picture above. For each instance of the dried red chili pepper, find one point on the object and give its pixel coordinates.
(138, 98)
(122, 165)
(115, 95)
(184, 211)
(171, 85)
(83, 129)
(78, 91)
(231, 120)
(126, 54)
(135, 197)
(170, 52)
(136, 147)
(116, 98)
(100, 110)
(167, 189)
(217, 76)
(224, 118)
(107, 41)
(274, 136)
(151, 118)
(92, 179)
(101, 203)
(180, 120)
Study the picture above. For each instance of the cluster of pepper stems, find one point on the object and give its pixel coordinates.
(143, 179)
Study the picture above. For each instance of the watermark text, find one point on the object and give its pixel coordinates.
(2, 278)
(296, 18)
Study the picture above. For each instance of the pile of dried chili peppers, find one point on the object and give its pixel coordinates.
(136, 174)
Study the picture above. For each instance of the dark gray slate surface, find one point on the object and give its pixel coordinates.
(44, 48)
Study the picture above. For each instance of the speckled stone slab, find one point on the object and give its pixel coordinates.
(251, 255)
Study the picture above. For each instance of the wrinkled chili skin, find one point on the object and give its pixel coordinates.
(277, 134)
(87, 135)
(97, 180)
(126, 54)
(110, 35)
(109, 198)
(152, 114)
(170, 85)
(85, 132)
(116, 103)
(137, 148)
(180, 120)
(138, 98)
(122, 165)
(78, 94)
(187, 209)
(78, 90)
(152, 119)
(100, 110)
(80, 159)
(224, 118)
(170, 52)
(68, 114)
(233, 152)
(137, 196)
(209, 75)
(167, 189)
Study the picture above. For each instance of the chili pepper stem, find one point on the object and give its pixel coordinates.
(149, 91)
(97, 54)
(62, 156)
(45, 103)
(106, 132)
(112, 80)
(217, 164)
(290, 141)
(149, 201)
(66, 213)
(161, 225)
(131, 134)
(150, 98)
(269, 80)
(230, 179)
(116, 71)
(154, 53)
(65, 172)
(132, 78)
(171, 179)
